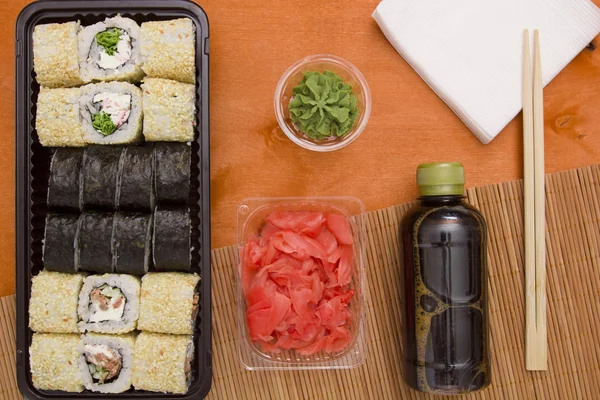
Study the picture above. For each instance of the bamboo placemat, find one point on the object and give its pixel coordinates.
(573, 272)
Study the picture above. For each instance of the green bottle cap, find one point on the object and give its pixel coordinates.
(441, 179)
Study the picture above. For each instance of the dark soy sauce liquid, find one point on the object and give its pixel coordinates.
(445, 317)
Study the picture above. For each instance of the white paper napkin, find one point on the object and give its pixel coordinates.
(470, 51)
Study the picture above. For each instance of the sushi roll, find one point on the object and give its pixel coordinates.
(63, 184)
(172, 172)
(105, 362)
(60, 242)
(163, 363)
(137, 184)
(57, 118)
(111, 113)
(100, 177)
(110, 51)
(171, 239)
(53, 302)
(53, 362)
(95, 243)
(169, 110)
(168, 49)
(169, 302)
(55, 55)
(133, 241)
(109, 303)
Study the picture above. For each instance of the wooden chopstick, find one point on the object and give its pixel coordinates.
(536, 347)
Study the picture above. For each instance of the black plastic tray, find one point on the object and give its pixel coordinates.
(32, 167)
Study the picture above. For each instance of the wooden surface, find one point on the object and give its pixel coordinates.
(573, 255)
(253, 42)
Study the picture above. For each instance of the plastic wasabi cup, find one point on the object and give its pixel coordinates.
(321, 63)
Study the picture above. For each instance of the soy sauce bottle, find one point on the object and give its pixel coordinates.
(445, 319)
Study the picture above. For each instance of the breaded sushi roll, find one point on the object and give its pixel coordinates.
(169, 302)
(163, 363)
(105, 362)
(111, 113)
(55, 55)
(169, 110)
(60, 242)
(168, 49)
(57, 118)
(53, 302)
(95, 242)
(172, 172)
(137, 191)
(100, 177)
(64, 182)
(172, 239)
(109, 303)
(110, 50)
(53, 362)
(133, 243)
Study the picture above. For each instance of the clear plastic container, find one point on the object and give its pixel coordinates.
(322, 62)
(251, 214)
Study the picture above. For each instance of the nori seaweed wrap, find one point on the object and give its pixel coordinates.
(172, 172)
(100, 177)
(60, 242)
(96, 242)
(64, 181)
(133, 241)
(137, 186)
(171, 239)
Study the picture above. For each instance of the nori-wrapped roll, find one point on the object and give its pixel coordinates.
(100, 177)
(133, 236)
(172, 172)
(96, 242)
(137, 186)
(60, 243)
(64, 182)
(171, 239)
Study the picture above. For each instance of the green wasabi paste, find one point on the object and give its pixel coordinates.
(103, 124)
(109, 40)
(323, 106)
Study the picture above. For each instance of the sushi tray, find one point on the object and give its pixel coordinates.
(113, 200)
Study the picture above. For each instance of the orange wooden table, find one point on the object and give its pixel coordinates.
(252, 44)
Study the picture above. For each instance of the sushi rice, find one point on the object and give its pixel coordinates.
(162, 363)
(109, 303)
(57, 118)
(55, 55)
(105, 362)
(110, 50)
(169, 302)
(53, 362)
(111, 113)
(53, 302)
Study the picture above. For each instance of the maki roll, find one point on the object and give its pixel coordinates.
(171, 239)
(169, 110)
(53, 302)
(168, 49)
(110, 50)
(133, 238)
(137, 186)
(53, 362)
(55, 55)
(100, 177)
(57, 118)
(63, 184)
(169, 302)
(111, 113)
(109, 303)
(60, 242)
(105, 362)
(172, 172)
(163, 363)
(95, 244)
